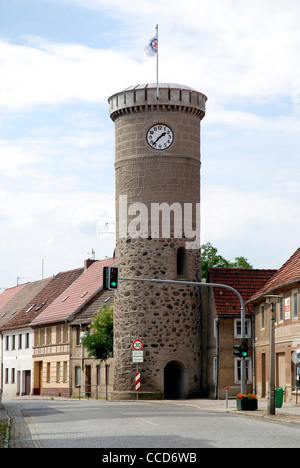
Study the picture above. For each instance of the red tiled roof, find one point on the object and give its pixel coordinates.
(88, 313)
(76, 295)
(245, 281)
(9, 294)
(20, 300)
(288, 274)
(45, 297)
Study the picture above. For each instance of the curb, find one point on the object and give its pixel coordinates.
(261, 414)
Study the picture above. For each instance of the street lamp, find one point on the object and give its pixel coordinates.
(273, 300)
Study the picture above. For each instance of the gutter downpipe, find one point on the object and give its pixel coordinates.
(217, 320)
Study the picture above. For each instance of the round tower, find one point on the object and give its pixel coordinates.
(157, 164)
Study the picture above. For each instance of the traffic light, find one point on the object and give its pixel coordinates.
(113, 277)
(110, 278)
(238, 350)
(244, 348)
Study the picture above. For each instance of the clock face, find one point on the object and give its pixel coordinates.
(160, 137)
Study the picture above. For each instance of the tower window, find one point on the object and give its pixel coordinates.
(181, 262)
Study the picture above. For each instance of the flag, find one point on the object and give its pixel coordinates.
(152, 47)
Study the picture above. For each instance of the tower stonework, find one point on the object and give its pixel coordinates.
(157, 167)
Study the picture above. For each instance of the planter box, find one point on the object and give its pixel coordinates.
(246, 404)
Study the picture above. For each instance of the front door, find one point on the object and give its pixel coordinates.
(280, 370)
(88, 381)
(174, 380)
(27, 382)
(40, 374)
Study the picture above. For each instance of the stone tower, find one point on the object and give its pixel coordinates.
(157, 164)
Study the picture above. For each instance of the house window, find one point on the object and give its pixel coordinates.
(65, 371)
(27, 340)
(13, 371)
(98, 375)
(13, 342)
(78, 336)
(65, 334)
(6, 376)
(262, 316)
(42, 336)
(58, 335)
(49, 335)
(107, 374)
(20, 341)
(238, 328)
(6, 343)
(237, 370)
(294, 304)
(36, 338)
(181, 263)
(77, 376)
(48, 371)
(58, 372)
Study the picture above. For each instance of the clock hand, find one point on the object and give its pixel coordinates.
(160, 136)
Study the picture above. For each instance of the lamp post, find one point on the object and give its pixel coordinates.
(273, 300)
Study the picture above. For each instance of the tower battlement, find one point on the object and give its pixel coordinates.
(143, 97)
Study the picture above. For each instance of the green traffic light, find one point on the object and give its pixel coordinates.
(244, 348)
(238, 350)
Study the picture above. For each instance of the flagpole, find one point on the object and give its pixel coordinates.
(157, 90)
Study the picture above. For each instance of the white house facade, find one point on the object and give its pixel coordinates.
(17, 362)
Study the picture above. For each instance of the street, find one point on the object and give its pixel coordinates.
(103, 424)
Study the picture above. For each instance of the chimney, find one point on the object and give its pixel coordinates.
(88, 263)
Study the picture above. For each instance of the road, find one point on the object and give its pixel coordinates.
(104, 424)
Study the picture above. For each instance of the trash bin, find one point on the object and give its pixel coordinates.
(278, 397)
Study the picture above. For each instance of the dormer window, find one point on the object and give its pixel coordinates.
(30, 308)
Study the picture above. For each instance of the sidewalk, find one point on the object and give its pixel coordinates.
(289, 412)
(4, 427)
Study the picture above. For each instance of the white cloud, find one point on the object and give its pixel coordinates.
(231, 47)
(260, 226)
(228, 49)
(61, 228)
(57, 174)
(52, 73)
(15, 159)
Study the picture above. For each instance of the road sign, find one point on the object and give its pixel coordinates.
(137, 345)
(137, 356)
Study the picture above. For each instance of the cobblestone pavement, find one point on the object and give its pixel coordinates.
(20, 435)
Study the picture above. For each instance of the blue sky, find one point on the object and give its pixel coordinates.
(61, 60)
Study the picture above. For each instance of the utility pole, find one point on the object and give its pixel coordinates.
(273, 300)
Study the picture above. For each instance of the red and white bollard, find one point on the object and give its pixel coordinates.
(137, 381)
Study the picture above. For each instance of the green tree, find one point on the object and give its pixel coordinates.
(210, 258)
(99, 342)
(241, 262)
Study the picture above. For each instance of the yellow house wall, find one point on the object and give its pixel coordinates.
(51, 361)
(287, 341)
